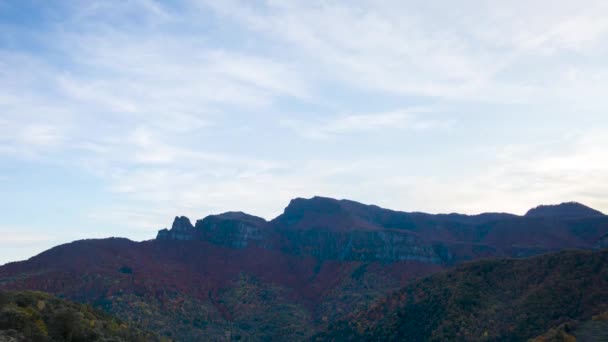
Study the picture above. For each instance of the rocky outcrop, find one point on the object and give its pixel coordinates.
(181, 230)
(182, 224)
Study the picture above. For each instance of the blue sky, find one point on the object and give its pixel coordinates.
(116, 116)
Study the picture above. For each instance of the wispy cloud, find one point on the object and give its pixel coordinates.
(366, 123)
(431, 50)
(24, 238)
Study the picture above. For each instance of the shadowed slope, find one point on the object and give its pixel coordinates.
(493, 300)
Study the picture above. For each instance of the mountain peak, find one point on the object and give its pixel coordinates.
(230, 216)
(324, 213)
(239, 216)
(181, 223)
(564, 210)
(182, 229)
(318, 204)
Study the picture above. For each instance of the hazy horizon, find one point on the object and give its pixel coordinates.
(116, 116)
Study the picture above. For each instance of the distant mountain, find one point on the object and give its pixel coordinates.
(37, 316)
(492, 300)
(322, 258)
(564, 210)
(347, 230)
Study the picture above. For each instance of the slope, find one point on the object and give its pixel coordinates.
(492, 300)
(37, 316)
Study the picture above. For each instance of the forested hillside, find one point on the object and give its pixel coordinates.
(491, 300)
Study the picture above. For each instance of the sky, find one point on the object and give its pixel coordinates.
(117, 115)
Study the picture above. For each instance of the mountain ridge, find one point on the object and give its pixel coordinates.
(327, 205)
(345, 229)
(288, 277)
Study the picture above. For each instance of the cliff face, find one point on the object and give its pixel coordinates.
(387, 246)
(331, 229)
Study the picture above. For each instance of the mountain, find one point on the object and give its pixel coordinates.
(193, 290)
(564, 210)
(347, 230)
(554, 295)
(235, 275)
(37, 316)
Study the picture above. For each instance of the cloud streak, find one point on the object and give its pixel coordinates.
(400, 120)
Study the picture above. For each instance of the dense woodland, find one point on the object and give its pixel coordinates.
(550, 297)
(37, 316)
